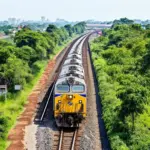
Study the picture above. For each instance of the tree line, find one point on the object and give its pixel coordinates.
(121, 59)
(19, 61)
(22, 61)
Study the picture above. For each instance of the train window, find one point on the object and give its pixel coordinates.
(78, 88)
(62, 88)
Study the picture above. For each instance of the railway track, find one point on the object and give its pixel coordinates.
(45, 108)
(67, 139)
(49, 94)
(64, 139)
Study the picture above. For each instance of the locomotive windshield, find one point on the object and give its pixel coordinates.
(62, 88)
(78, 88)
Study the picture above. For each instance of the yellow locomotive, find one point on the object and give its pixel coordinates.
(70, 90)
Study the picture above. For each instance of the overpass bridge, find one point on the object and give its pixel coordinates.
(97, 26)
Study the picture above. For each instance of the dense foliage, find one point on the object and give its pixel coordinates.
(123, 21)
(18, 62)
(6, 29)
(122, 62)
(21, 62)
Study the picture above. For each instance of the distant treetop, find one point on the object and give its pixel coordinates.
(123, 21)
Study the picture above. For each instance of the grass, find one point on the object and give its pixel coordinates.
(11, 108)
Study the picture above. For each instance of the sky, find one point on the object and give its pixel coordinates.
(75, 10)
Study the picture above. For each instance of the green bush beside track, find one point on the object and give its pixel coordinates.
(121, 59)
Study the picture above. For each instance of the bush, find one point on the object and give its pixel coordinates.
(117, 143)
(2, 98)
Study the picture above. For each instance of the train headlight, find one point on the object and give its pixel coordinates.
(80, 101)
(70, 97)
(59, 101)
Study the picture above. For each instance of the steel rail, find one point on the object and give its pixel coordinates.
(74, 139)
(45, 108)
(60, 140)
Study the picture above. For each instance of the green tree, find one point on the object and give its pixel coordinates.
(133, 97)
(147, 26)
(79, 27)
(51, 28)
(26, 53)
(15, 71)
(6, 52)
(7, 32)
(123, 21)
(35, 40)
(68, 27)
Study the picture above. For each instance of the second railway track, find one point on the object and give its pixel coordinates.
(67, 139)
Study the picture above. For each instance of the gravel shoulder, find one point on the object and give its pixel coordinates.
(30, 137)
(91, 136)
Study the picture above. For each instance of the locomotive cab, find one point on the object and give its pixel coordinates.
(70, 101)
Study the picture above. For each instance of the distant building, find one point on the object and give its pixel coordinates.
(60, 20)
(12, 21)
(43, 19)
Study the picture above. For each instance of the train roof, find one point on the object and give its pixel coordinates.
(73, 67)
(75, 52)
(65, 71)
(76, 45)
(77, 56)
(75, 73)
(72, 71)
(73, 61)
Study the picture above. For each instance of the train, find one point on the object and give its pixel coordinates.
(70, 90)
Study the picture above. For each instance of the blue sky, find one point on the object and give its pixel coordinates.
(75, 9)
